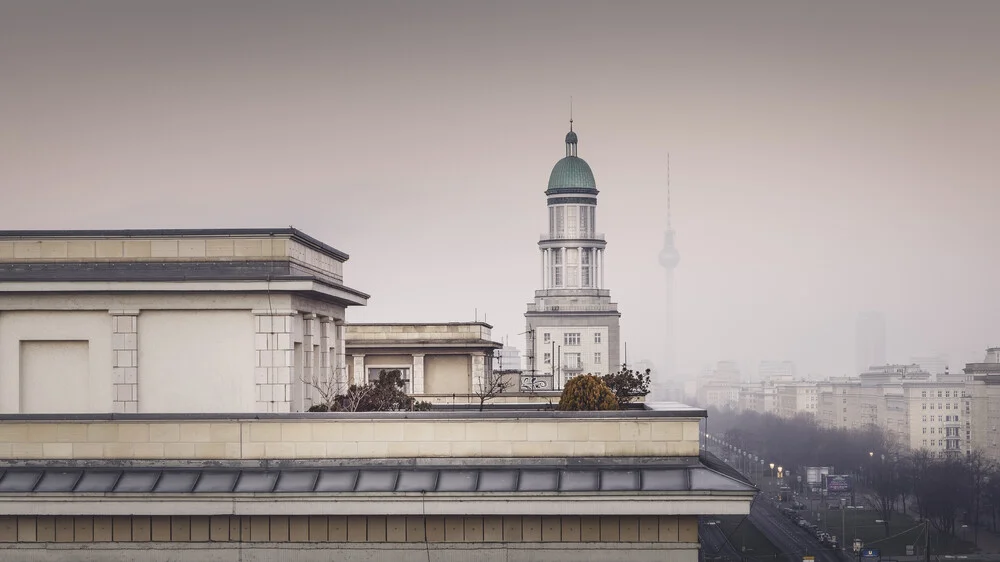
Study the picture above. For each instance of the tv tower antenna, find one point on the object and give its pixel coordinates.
(668, 191)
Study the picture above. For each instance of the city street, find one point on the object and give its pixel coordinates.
(791, 539)
(714, 544)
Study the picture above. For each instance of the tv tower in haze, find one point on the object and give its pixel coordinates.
(669, 258)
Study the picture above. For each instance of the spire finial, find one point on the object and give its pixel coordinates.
(571, 114)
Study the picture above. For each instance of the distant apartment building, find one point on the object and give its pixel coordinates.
(920, 410)
(982, 407)
(760, 397)
(507, 358)
(720, 387)
(718, 394)
(795, 398)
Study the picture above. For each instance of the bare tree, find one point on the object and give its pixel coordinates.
(979, 469)
(885, 487)
(490, 387)
(328, 389)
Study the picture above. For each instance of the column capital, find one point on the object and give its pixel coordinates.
(124, 312)
(309, 316)
(326, 320)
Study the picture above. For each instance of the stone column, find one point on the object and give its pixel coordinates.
(275, 359)
(339, 359)
(478, 371)
(360, 373)
(310, 361)
(417, 378)
(326, 349)
(543, 269)
(125, 361)
(601, 269)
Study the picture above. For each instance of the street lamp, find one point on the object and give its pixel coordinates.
(772, 470)
(843, 525)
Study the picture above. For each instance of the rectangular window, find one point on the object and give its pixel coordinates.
(572, 273)
(585, 267)
(572, 361)
(560, 222)
(375, 372)
(546, 337)
(552, 222)
(571, 338)
(547, 358)
(585, 222)
(597, 337)
(572, 221)
(597, 358)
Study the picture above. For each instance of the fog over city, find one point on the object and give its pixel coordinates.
(826, 159)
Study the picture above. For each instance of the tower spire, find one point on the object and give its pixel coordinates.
(571, 136)
(668, 191)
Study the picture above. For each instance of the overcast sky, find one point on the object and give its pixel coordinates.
(826, 158)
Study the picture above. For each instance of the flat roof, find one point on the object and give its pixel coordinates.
(293, 233)
(484, 324)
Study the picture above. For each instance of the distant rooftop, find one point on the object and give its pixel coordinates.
(175, 233)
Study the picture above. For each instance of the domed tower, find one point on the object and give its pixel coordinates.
(572, 325)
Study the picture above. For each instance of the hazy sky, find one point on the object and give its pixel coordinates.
(826, 158)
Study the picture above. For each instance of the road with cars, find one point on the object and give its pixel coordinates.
(715, 545)
(794, 541)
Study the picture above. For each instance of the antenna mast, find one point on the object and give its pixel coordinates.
(668, 191)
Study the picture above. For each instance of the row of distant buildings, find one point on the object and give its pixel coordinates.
(939, 411)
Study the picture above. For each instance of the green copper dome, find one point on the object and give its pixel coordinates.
(571, 171)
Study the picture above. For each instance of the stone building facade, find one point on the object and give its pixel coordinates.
(161, 321)
(437, 360)
(510, 483)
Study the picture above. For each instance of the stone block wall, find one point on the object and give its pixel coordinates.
(349, 438)
(349, 528)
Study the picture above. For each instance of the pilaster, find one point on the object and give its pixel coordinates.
(310, 361)
(275, 359)
(125, 357)
(478, 371)
(360, 373)
(418, 374)
(340, 355)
